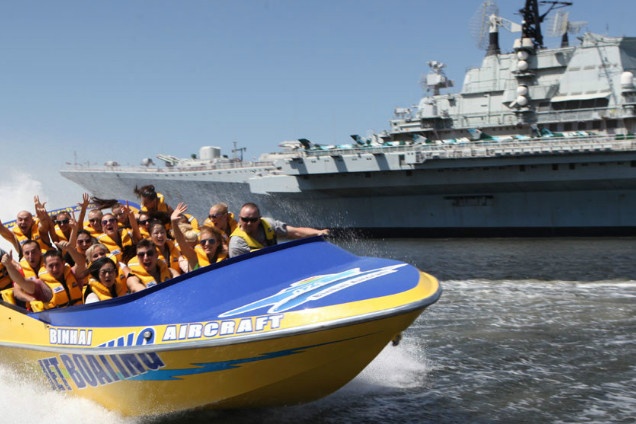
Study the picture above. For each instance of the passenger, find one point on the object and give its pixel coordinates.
(28, 228)
(116, 239)
(31, 262)
(63, 226)
(167, 249)
(107, 281)
(152, 201)
(31, 288)
(6, 284)
(146, 269)
(84, 241)
(97, 251)
(223, 220)
(144, 224)
(5, 280)
(208, 251)
(94, 226)
(64, 281)
(255, 232)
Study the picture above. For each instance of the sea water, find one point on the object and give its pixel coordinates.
(526, 331)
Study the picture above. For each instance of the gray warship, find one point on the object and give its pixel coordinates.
(538, 142)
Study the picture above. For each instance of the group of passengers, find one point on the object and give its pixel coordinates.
(65, 260)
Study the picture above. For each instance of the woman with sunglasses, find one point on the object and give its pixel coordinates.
(117, 239)
(106, 282)
(255, 232)
(209, 249)
(146, 270)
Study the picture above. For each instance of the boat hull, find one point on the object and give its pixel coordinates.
(280, 371)
(224, 336)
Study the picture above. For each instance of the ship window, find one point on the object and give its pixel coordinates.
(522, 168)
(581, 126)
(409, 173)
(555, 166)
(572, 166)
(596, 125)
(611, 123)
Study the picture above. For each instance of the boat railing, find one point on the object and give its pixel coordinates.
(491, 148)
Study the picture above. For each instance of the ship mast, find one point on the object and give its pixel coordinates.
(531, 25)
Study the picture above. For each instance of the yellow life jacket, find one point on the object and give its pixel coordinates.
(112, 246)
(35, 235)
(202, 257)
(67, 294)
(232, 225)
(161, 204)
(173, 260)
(27, 270)
(252, 243)
(119, 289)
(146, 279)
(5, 280)
(59, 233)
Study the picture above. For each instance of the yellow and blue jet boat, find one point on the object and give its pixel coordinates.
(284, 325)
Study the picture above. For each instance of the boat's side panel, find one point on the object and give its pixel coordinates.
(246, 374)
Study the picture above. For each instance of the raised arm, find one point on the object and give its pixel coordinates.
(185, 248)
(38, 290)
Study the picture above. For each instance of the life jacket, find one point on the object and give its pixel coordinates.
(112, 246)
(27, 270)
(194, 223)
(202, 257)
(252, 243)
(64, 294)
(5, 280)
(232, 225)
(146, 279)
(118, 289)
(59, 233)
(161, 204)
(35, 235)
(173, 260)
(92, 231)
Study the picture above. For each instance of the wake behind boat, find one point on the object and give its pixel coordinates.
(287, 324)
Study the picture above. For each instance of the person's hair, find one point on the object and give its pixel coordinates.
(52, 253)
(30, 241)
(222, 206)
(252, 206)
(147, 243)
(156, 223)
(104, 203)
(98, 264)
(147, 191)
(83, 231)
(92, 248)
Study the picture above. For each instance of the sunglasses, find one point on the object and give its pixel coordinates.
(144, 221)
(62, 221)
(93, 220)
(216, 215)
(247, 219)
(108, 221)
(207, 241)
(149, 253)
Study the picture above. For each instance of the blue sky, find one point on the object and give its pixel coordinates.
(91, 81)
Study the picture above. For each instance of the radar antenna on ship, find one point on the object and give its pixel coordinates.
(485, 25)
(560, 26)
(436, 79)
(532, 20)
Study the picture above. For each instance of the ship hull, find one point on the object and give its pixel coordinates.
(590, 194)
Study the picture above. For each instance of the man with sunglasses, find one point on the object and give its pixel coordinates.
(146, 270)
(255, 232)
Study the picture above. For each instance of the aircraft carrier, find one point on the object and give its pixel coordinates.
(539, 141)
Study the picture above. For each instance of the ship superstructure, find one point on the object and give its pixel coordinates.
(539, 141)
